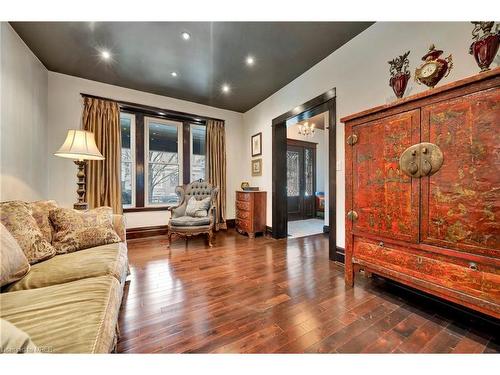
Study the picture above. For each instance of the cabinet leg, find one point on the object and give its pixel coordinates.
(349, 275)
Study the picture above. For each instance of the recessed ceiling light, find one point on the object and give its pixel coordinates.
(173, 74)
(105, 54)
(250, 60)
(186, 36)
(225, 88)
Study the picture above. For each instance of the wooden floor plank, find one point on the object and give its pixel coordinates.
(263, 295)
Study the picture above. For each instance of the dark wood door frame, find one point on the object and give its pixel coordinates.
(321, 103)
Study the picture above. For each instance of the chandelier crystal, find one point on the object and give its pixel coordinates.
(307, 129)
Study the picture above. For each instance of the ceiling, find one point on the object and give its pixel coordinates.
(144, 54)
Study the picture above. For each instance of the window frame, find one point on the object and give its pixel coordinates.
(140, 155)
(191, 149)
(180, 152)
(133, 157)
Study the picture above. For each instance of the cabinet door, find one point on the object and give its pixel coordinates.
(385, 199)
(461, 202)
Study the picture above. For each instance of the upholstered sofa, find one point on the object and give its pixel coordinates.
(70, 302)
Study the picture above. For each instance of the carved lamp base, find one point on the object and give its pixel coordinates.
(81, 204)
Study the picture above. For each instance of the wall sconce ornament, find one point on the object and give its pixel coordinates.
(434, 68)
(485, 47)
(400, 75)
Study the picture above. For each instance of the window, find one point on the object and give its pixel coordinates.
(161, 150)
(127, 123)
(198, 151)
(163, 170)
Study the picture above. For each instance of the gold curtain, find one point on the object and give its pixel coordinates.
(102, 117)
(216, 154)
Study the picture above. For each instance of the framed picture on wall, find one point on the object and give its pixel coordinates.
(257, 144)
(257, 167)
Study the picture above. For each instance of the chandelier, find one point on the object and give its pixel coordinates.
(307, 129)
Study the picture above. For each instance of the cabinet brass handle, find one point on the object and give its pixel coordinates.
(352, 215)
(473, 266)
(381, 244)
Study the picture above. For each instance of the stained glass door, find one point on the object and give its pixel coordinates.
(301, 180)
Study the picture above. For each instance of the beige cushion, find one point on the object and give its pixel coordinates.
(76, 317)
(198, 208)
(14, 264)
(103, 260)
(17, 218)
(13, 340)
(188, 221)
(40, 211)
(78, 230)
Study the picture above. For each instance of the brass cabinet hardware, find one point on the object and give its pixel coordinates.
(473, 266)
(352, 139)
(381, 244)
(419, 260)
(421, 159)
(352, 215)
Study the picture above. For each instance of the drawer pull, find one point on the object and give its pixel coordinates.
(419, 260)
(473, 266)
(381, 244)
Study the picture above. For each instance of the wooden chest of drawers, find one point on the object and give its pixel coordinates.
(251, 212)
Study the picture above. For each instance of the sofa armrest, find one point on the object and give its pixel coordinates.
(119, 226)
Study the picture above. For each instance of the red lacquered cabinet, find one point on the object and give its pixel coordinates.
(438, 231)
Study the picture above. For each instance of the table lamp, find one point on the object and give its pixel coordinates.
(80, 146)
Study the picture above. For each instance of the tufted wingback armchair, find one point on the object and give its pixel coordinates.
(187, 226)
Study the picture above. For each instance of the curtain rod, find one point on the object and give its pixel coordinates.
(156, 110)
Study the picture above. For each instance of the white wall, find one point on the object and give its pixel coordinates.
(320, 138)
(65, 110)
(359, 71)
(23, 120)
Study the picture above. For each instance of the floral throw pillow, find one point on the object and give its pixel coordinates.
(77, 230)
(40, 211)
(16, 217)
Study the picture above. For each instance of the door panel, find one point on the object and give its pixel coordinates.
(385, 199)
(461, 202)
(294, 162)
(301, 181)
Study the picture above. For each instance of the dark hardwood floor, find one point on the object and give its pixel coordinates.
(278, 296)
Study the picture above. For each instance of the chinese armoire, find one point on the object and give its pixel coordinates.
(423, 192)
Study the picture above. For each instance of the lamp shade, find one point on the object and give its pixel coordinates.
(79, 145)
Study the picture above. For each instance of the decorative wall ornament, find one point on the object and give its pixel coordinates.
(257, 144)
(307, 129)
(400, 75)
(257, 167)
(485, 47)
(434, 68)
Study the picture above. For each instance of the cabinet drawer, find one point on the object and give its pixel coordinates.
(478, 280)
(245, 197)
(243, 225)
(242, 206)
(241, 214)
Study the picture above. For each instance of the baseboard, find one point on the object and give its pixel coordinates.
(134, 233)
(339, 255)
(326, 229)
(231, 223)
(269, 231)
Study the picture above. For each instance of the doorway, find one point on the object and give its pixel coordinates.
(320, 104)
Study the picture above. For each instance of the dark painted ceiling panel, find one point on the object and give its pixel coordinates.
(145, 53)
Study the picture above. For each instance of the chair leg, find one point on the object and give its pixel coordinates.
(210, 238)
(169, 238)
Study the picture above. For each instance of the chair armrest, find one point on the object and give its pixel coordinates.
(119, 226)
